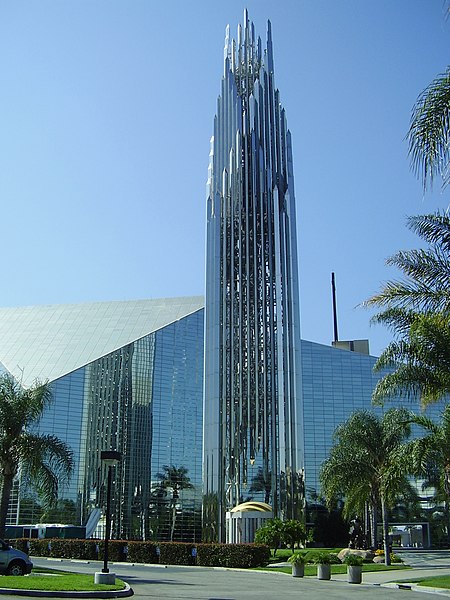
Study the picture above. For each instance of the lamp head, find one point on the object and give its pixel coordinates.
(110, 457)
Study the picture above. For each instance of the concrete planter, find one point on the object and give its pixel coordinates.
(298, 570)
(323, 571)
(354, 573)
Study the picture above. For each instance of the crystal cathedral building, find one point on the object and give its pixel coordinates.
(253, 400)
(221, 392)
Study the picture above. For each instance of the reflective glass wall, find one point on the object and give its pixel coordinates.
(144, 400)
(335, 384)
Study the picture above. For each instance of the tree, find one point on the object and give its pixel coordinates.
(270, 534)
(329, 529)
(64, 512)
(44, 460)
(425, 287)
(293, 532)
(433, 449)
(172, 480)
(367, 464)
(262, 482)
(417, 310)
(429, 132)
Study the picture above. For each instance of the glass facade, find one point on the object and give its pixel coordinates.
(144, 400)
(336, 383)
(252, 401)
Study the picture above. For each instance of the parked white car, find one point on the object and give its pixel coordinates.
(12, 561)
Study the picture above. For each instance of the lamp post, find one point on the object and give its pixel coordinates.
(110, 458)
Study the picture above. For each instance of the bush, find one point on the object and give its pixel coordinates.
(270, 534)
(316, 556)
(173, 553)
(293, 533)
(298, 558)
(143, 552)
(176, 553)
(238, 556)
(353, 560)
(395, 558)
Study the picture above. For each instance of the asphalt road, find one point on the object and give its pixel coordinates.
(203, 583)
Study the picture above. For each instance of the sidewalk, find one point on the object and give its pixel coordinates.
(431, 563)
(426, 563)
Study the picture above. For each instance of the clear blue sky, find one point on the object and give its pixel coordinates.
(106, 112)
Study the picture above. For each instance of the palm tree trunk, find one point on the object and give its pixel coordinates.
(373, 509)
(174, 516)
(384, 512)
(5, 496)
(367, 525)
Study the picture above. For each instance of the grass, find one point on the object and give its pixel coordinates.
(440, 581)
(311, 570)
(283, 554)
(59, 581)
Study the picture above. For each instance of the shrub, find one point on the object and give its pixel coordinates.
(353, 560)
(293, 533)
(176, 553)
(321, 558)
(233, 555)
(298, 558)
(334, 558)
(143, 552)
(270, 534)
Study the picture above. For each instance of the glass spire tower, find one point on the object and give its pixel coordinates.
(253, 441)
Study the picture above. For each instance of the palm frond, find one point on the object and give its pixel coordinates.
(429, 130)
(434, 228)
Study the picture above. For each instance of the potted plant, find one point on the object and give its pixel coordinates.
(323, 562)
(354, 564)
(297, 561)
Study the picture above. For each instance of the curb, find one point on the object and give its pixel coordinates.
(125, 593)
(417, 588)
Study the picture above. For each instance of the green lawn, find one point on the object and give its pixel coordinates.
(311, 570)
(440, 581)
(283, 555)
(61, 582)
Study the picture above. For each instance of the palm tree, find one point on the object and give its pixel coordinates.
(44, 460)
(262, 482)
(367, 464)
(430, 456)
(173, 479)
(417, 309)
(433, 449)
(429, 132)
(425, 287)
(420, 358)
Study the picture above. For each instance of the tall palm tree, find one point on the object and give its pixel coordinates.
(417, 309)
(433, 449)
(429, 132)
(173, 480)
(430, 456)
(367, 464)
(44, 460)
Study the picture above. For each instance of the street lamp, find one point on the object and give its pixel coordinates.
(110, 458)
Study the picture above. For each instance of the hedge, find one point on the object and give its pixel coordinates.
(240, 556)
(171, 553)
